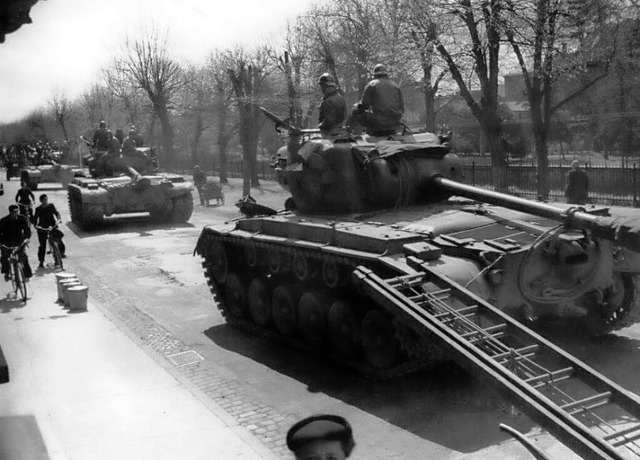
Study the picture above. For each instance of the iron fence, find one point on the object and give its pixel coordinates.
(608, 184)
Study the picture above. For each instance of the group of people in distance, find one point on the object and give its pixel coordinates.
(15, 230)
(379, 111)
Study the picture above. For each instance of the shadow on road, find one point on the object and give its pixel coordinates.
(445, 405)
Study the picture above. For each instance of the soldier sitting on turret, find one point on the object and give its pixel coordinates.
(136, 137)
(381, 106)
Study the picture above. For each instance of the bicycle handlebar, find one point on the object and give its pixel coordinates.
(46, 229)
(14, 248)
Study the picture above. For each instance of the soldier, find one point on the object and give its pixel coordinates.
(136, 137)
(321, 436)
(381, 106)
(100, 137)
(577, 190)
(332, 108)
(200, 183)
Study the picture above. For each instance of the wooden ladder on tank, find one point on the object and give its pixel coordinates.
(571, 400)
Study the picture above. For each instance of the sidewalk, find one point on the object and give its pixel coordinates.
(80, 388)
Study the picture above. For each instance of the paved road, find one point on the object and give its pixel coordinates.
(148, 276)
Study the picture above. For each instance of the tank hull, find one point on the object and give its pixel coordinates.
(63, 174)
(166, 197)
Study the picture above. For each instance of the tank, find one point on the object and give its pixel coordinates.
(128, 184)
(54, 172)
(395, 206)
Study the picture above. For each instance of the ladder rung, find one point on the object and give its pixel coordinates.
(589, 403)
(626, 440)
(466, 311)
(496, 335)
(517, 352)
(491, 330)
(519, 357)
(622, 432)
(551, 376)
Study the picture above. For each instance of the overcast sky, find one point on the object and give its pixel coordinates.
(69, 41)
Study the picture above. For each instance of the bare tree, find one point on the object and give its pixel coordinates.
(60, 108)
(247, 74)
(147, 61)
(551, 43)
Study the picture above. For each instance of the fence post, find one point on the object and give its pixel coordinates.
(473, 173)
(635, 189)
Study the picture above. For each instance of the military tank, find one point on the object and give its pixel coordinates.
(54, 172)
(128, 184)
(394, 206)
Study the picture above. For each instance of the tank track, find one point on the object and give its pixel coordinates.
(411, 360)
(182, 208)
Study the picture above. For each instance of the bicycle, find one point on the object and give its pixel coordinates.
(16, 271)
(53, 245)
(26, 210)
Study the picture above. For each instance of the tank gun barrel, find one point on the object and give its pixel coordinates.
(624, 231)
(293, 130)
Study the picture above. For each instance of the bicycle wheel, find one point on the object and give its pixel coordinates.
(20, 281)
(57, 256)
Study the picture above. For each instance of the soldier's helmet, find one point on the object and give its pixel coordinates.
(380, 70)
(196, 167)
(103, 124)
(327, 79)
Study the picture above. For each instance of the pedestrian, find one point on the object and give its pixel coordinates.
(333, 107)
(14, 232)
(381, 107)
(25, 200)
(47, 217)
(321, 437)
(200, 183)
(577, 190)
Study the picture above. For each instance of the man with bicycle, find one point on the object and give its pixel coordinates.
(45, 217)
(25, 200)
(14, 231)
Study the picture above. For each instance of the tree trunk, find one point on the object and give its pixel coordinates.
(197, 136)
(540, 136)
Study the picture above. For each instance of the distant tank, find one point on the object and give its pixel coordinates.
(394, 205)
(51, 173)
(128, 184)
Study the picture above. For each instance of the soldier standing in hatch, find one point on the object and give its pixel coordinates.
(101, 137)
(333, 107)
(381, 106)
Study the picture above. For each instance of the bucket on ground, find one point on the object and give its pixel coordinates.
(59, 278)
(77, 296)
(65, 289)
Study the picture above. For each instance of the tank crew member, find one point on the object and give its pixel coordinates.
(120, 135)
(100, 138)
(577, 190)
(107, 163)
(333, 108)
(136, 137)
(14, 231)
(321, 436)
(381, 106)
(129, 145)
(47, 216)
(25, 199)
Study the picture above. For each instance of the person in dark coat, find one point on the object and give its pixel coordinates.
(101, 137)
(47, 216)
(333, 107)
(321, 436)
(381, 107)
(577, 190)
(14, 231)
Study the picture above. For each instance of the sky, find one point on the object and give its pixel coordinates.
(63, 51)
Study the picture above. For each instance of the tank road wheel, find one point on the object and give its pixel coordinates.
(312, 317)
(608, 310)
(300, 267)
(182, 209)
(283, 309)
(344, 329)
(236, 295)
(259, 302)
(219, 262)
(332, 274)
(379, 340)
